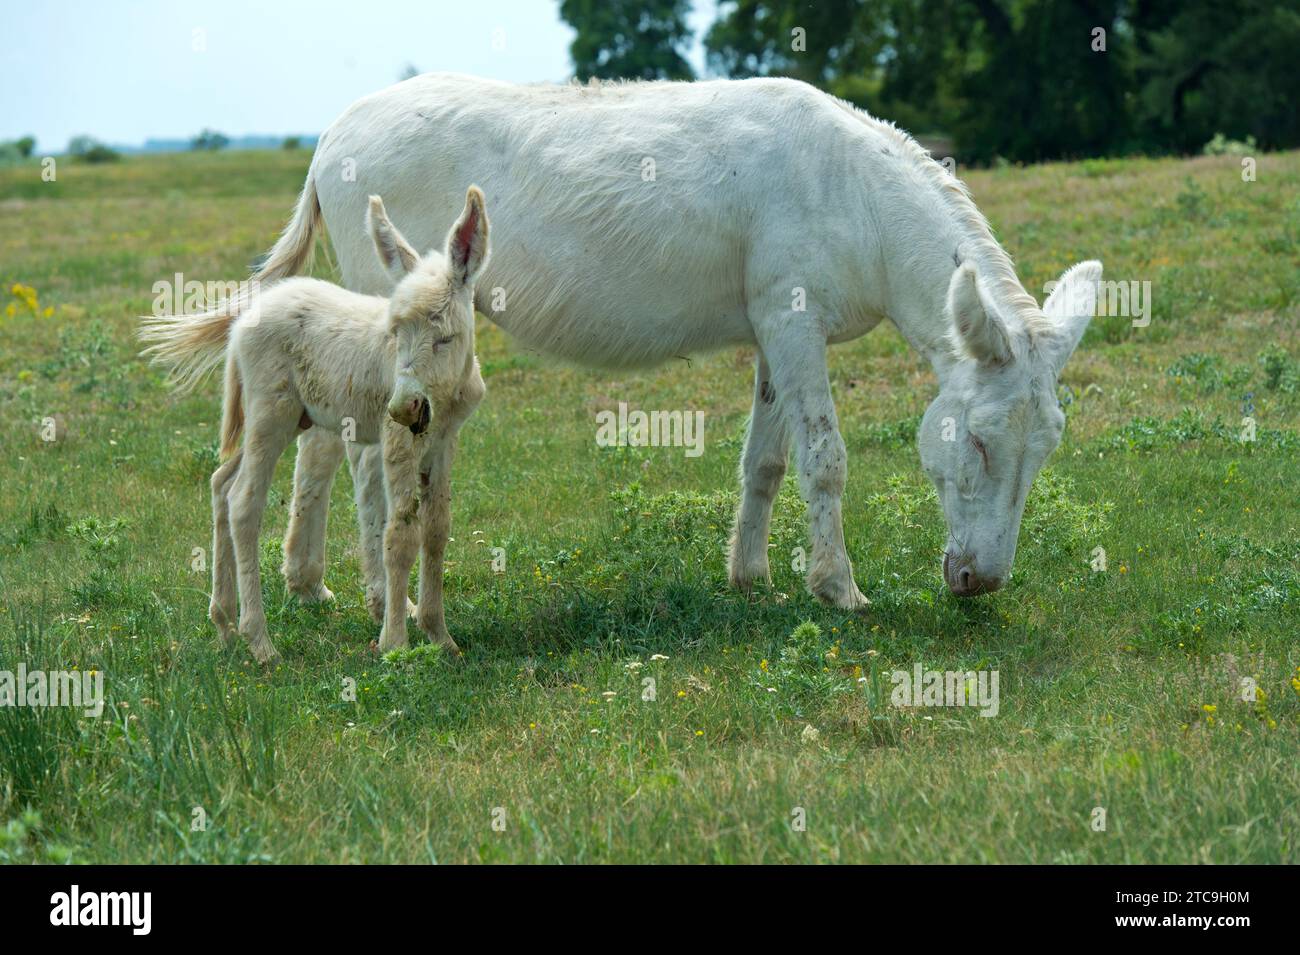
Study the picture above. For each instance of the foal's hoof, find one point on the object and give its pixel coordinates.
(320, 594)
(265, 654)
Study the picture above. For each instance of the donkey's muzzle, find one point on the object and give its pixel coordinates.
(962, 578)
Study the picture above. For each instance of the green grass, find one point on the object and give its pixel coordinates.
(615, 574)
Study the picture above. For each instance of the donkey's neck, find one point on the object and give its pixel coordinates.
(931, 227)
(926, 257)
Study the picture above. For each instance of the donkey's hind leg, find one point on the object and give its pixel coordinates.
(319, 454)
(223, 607)
(270, 427)
(763, 464)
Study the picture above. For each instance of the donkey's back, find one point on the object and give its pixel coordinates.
(637, 212)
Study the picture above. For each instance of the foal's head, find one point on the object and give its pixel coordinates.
(431, 311)
(996, 419)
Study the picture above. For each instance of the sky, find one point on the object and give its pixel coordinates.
(124, 71)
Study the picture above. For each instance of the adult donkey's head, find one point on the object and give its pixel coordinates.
(996, 419)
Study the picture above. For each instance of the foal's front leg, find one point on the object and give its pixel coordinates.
(435, 526)
(401, 533)
(435, 507)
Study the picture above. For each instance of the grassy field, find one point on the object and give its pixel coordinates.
(1118, 689)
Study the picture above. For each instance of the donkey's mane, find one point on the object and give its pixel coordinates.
(991, 260)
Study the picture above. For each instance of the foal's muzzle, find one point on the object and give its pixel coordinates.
(414, 414)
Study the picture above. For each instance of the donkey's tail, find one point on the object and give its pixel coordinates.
(190, 346)
(293, 251)
(232, 413)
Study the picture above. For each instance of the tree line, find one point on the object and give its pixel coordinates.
(1021, 80)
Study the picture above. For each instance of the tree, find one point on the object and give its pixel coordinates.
(629, 39)
(210, 139)
(26, 146)
(1206, 67)
(1013, 78)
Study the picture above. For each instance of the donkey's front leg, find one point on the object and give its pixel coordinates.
(435, 506)
(435, 526)
(797, 355)
(767, 446)
(401, 533)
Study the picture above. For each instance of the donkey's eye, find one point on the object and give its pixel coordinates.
(979, 446)
(444, 341)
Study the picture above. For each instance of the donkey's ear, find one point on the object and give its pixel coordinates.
(394, 251)
(467, 243)
(1070, 307)
(976, 331)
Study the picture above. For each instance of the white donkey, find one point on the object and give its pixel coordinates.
(398, 374)
(645, 221)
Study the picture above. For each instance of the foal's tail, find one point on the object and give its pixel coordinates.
(232, 413)
(190, 346)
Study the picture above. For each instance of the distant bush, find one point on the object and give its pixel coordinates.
(1221, 145)
(291, 143)
(1281, 371)
(91, 150)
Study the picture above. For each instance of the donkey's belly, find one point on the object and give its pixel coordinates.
(346, 407)
(641, 321)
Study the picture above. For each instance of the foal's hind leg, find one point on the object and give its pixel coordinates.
(270, 427)
(223, 607)
(319, 454)
(767, 446)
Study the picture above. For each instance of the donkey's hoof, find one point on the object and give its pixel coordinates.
(226, 630)
(844, 596)
(397, 642)
(320, 594)
(265, 654)
(410, 609)
(745, 580)
(445, 641)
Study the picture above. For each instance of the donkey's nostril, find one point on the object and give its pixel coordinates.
(423, 413)
(964, 579)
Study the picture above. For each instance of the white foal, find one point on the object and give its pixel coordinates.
(398, 373)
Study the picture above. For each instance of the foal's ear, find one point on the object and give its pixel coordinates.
(976, 331)
(394, 251)
(467, 243)
(1070, 307)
